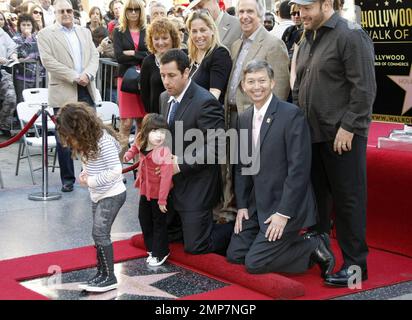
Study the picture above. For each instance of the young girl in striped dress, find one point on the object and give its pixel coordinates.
(96, 145)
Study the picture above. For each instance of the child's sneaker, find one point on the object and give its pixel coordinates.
(149, 257)
(155, 261)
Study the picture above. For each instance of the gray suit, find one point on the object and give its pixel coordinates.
(229, 30)
(272, 50)
(281, 185)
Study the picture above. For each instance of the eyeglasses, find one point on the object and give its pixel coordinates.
(63, 11)
(295, 13)
(130, 10)
(37, 12)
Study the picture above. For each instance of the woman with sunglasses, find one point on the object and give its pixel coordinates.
(130, 50)
(210, 60)
(37, 13)
(292, 34)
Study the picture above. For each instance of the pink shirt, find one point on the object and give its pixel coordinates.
(150, 184)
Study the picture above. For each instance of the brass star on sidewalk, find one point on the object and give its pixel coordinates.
(134, 285)
(405, 82)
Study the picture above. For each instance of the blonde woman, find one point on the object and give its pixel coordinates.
(130, 50)
(210, 60)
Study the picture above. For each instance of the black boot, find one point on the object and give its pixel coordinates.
(97, 275)
(107, 281)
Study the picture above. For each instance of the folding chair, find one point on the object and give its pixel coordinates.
(33, 139)
(36, 95)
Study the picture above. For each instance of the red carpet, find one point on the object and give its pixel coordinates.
(384, 269)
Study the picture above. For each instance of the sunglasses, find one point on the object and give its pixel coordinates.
(295, 13)
(37, 12)
(13, 19)
(63, 11)
(130, 10)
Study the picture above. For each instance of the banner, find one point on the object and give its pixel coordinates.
(388, 22)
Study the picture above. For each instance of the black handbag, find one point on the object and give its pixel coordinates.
(131, 81)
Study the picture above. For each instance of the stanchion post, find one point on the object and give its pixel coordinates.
(45, 195)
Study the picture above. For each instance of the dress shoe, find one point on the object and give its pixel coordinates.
(342, 277)
(323, 255)
(67, 188)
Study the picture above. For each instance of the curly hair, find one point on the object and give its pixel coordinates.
(79, 128)
(159, 27)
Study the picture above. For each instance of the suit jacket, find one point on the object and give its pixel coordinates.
(198, 185)
(282, 183)
(229, 30)
(56, 57)
(272, 50)
(123, 41)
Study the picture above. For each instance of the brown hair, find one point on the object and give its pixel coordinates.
(151, 121)
(160, 27)
(80, 128)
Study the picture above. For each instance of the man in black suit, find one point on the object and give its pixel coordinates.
(274, 195)
(197, 182)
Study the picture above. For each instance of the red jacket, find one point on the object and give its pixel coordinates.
(150, 184)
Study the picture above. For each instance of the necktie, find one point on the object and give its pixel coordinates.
(257, 123)
(172, 112)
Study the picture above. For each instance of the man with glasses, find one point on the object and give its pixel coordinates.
(70, 57)
(227, 25)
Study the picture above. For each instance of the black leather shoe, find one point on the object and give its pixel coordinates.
(323, 255)
(67, 188)
(342, 277)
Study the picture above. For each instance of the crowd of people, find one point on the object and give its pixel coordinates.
(300, 81)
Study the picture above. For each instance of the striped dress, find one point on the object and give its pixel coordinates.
(105, 178)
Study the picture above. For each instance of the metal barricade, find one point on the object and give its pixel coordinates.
(106, 80)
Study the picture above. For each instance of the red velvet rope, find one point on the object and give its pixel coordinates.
(22, 132)
(132, 167)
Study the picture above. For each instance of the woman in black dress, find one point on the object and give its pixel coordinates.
(161, 36)
(210, 60)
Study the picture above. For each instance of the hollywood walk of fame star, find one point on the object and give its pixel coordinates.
(386, 3)
(405, 82)
(130, 285)
(399, 1)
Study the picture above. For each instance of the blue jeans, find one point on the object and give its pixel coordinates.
(104, 213)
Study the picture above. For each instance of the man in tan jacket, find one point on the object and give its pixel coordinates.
(71, 60)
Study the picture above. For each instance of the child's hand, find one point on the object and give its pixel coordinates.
(83, 179)
(162, 208)
(125, 158)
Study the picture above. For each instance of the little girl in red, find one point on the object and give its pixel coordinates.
(154, 188)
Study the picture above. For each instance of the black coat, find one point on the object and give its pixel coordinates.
(123, 41)
(281, 182)
(197, 186)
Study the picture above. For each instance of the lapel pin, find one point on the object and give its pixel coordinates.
(268, 120)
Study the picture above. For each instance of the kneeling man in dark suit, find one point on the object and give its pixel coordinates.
(273, 193)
